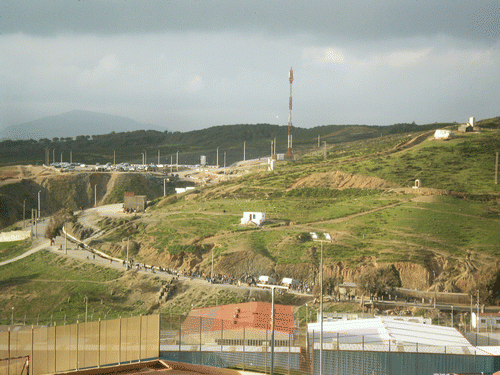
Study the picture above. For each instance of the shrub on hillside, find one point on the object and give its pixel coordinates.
(57, 221)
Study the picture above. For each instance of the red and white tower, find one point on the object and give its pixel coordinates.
(290, 151)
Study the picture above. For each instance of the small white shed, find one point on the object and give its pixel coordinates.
(443, 134)
(266, 280)
(289, 282)
(256, 218)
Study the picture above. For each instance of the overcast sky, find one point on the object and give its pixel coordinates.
(192, 64)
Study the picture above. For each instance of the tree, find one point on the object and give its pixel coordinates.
(57, 221)
(374, 281)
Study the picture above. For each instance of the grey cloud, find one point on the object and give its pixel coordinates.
(476, 20)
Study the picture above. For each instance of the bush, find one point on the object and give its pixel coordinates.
(57, 221)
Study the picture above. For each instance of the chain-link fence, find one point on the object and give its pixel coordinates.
(82, 346)
(213, 342)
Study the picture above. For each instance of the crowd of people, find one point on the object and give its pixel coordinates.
(225, 279)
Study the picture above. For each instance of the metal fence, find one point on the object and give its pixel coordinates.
(212, 342)
(218, 343)
(82, 346)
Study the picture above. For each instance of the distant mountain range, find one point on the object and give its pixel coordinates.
(71, 124)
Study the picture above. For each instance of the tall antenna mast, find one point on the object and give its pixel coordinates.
(290, 152)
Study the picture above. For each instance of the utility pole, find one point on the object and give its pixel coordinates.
(434, 282)
(24, 213)
(328, 239)
(39, 204)
(224, 162)
(158, 157)
(95, 195)
(324, 151)
(496, 169)
(272, 287)
(271, 148)
(319, 139)
(290, 126)
(217, 163)
(171, 165)
(177, 161)
(54, 155)
(114, 157)
(321, 316)
(477, 316)
(471, 298)
(274, 146)
(61, 156)
(71, 156)
(86, 307)
(164, 187)
(244, 150)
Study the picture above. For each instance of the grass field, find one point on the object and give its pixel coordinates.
(9, 250)
(47, 286)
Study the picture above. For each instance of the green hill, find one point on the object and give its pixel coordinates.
(442, 236)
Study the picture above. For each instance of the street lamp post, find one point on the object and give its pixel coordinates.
(86, 307)
(39, 204)
(272, 287)
(12, 317)
(434, 281)
(328, 239)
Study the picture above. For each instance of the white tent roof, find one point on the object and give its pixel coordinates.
(385, 330)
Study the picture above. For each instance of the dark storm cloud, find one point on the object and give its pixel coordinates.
(464, 19)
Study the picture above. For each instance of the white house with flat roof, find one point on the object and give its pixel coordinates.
(256, 218)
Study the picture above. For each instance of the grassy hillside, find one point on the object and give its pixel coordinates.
(361, 194)
(229, 139)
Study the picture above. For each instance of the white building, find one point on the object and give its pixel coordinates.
(387, 331)
(183, 190)
(486, 321)
(443, 134)
(256, 218)
(266, 280)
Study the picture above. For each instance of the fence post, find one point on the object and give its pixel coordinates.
(120, 343)
(32, 347)
(201, 354)
(244, 334)
(265, 356)
(140, 338)
(389, 356)
(77, 334)
(8, 352)
(180, 332)
(55, 345)
(416, 361)
(289, 352)
(338, 354)
(221, 336)
(99, 344)
(312, 357)
(363, 354)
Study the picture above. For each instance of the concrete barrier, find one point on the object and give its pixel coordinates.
(15, 235)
